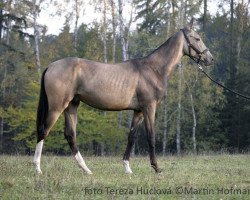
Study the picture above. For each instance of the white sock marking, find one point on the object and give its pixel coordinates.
(82, 163)
(127, 167)
(37, 156)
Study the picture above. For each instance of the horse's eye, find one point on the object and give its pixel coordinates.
(198, 39)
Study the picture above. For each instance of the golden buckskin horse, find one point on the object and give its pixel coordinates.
(137, 84)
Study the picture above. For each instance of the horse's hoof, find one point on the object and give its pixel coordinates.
(158, 171)
(89, 172)
(39, 172)
(155, 167)
(127, 167)
(128, 172)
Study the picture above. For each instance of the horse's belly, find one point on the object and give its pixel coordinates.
(108, 100)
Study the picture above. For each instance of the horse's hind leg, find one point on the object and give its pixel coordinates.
(137, 118)
(50, 121)
(70, 114)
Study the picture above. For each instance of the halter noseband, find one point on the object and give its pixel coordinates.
(191, 46)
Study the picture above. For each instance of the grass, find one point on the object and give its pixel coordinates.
(188, 177)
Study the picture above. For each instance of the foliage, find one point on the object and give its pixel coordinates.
(150, 12)
(222, 118)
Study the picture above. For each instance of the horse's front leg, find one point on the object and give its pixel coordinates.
(149, 117)
(137, 118)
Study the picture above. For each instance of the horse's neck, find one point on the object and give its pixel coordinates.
(167, 56)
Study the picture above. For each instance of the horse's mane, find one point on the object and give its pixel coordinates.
(163, 44)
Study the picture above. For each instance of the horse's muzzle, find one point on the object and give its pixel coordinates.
(208, 59)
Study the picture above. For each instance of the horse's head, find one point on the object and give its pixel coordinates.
(195, 48)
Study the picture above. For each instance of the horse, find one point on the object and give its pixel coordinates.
(137, 84)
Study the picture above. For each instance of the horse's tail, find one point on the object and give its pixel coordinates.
(42, 111)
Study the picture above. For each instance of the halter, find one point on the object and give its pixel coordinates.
(191, 46)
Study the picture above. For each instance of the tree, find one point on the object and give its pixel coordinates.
(150, 12)
(228, 27)
(13, 52)
(114, 25)
(124, 29)
(104, 27)
(209, 119)
(205, 16)
(78, 5)
(35, 12)
(190, 88)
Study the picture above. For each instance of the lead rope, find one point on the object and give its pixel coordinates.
(220, 84)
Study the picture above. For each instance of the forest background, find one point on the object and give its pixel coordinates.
(195, 116)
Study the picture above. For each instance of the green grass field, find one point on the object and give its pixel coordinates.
(188, 177)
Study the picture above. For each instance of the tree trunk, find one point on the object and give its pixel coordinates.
(164, 141)
(3, 85)
(127, 31)
(194, 124)
(105, 31)
(129, 122)
(102, 144)
(168, 19)
(76, 24)
(232, 58)
(122, 31)
(4, 90)
(181, 14)
(1, 19)
(2, 118)
(241, 12)
(173, 24)
(205, 16)
(232, 129)
(36, 36)
(114, 30)
(102, 149)
(1, 133)
(178, 125)
(193, 114)
(8, 21)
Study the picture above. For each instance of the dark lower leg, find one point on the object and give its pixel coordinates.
(132, 134)
(153, 162)
(149, 115)
(130, 144)
(70, 127)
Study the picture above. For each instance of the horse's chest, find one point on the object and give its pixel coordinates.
(151, 90)
(159, 92)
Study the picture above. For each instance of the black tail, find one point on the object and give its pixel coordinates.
(42, 111)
